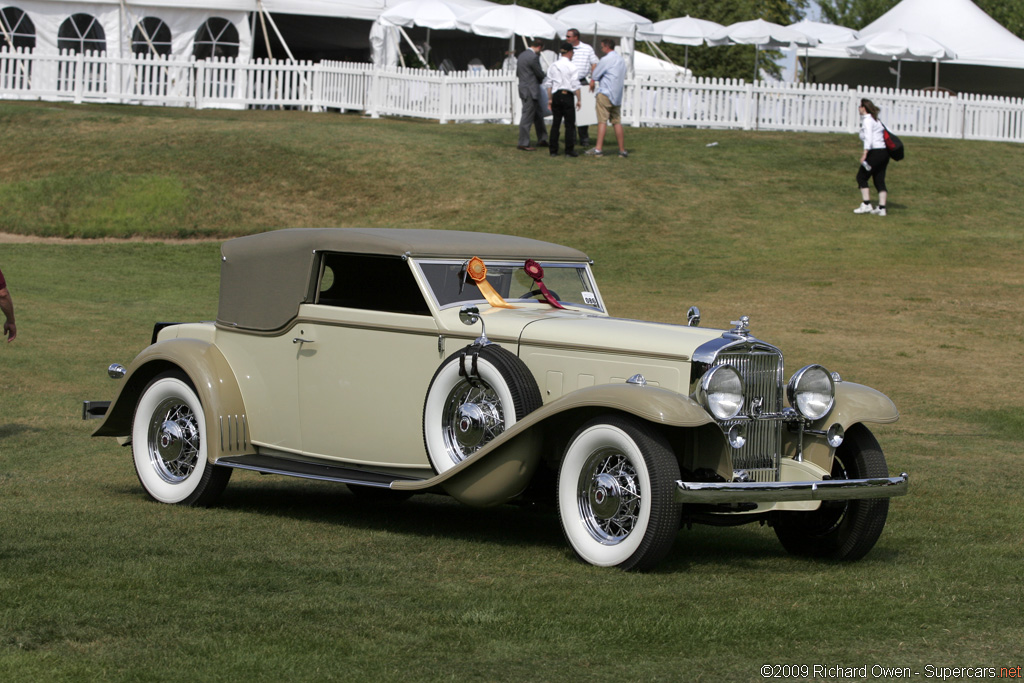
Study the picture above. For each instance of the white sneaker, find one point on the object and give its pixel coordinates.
(879, 212)
(864, 208)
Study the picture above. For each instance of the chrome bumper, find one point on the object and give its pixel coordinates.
(776, 492)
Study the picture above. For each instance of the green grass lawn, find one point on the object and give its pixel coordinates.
(296, 580)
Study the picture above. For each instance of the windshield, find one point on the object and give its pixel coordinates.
(569, 283)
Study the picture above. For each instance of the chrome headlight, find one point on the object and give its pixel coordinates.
(811, 392)
(721, 392)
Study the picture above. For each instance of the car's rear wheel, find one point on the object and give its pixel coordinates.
(169, 444)
(841, 529)
(476, 394)
(616, 494)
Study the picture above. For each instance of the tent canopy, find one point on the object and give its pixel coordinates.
(974, 36)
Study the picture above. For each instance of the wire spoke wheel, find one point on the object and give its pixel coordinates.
(169, 444)
(173, 441)
(616, 493)
(476, 394)
(609, 496)
(472, 418)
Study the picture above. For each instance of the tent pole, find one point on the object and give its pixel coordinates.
(757, 54)
(266, 34)
(661, 52)
(142, 29)
(277, 32)
(899, 69)
(936, 75)
(413, 46)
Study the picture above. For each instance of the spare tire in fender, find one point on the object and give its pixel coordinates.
(476, 394)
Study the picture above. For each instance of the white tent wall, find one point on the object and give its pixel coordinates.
(989, 57)
(183, 17)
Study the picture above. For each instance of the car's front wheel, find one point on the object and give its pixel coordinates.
(841, 529)
(169, 444)
(616, 488)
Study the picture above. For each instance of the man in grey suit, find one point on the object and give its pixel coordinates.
(530, 74)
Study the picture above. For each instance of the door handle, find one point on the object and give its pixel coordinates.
(300, 340)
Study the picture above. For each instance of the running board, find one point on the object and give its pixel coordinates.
(267, 464)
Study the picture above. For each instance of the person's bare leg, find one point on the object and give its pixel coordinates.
(601, 128)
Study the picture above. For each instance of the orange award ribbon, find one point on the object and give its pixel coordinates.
(478, 273)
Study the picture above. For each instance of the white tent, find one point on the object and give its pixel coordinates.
(313, 29)
(985, 51)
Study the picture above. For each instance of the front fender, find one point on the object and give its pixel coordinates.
(854, 403)
(502, 469)
(857, 403)
(214, 381)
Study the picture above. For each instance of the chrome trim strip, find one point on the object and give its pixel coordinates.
(775, 492)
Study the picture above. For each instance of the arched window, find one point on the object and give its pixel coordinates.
(17, 29)
(151, 34)
(217, 37)
(81, 33)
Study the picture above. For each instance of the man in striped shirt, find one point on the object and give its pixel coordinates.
(584, 59)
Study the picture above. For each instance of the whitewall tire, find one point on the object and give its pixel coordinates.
(169, 444)
(476, 394)
(616, 487)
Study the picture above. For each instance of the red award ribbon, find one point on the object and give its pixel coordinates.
(478, 273)
(534, 270)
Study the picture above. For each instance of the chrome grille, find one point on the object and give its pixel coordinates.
(761, 369)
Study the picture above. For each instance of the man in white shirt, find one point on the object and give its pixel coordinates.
(584, 59)
(563, 83)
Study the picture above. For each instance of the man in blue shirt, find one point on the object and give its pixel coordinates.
(609, 76)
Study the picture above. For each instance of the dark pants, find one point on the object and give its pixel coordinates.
(563, 106)
(878, 160)
(532, 116)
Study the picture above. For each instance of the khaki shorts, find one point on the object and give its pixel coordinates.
(606, 112)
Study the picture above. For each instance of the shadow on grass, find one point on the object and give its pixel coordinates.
(15, 429)
(739, 548)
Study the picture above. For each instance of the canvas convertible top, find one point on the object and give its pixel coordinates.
(264, 277)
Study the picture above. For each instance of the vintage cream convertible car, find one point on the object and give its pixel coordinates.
(487, 367)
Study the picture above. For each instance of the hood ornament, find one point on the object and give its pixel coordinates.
(742, 328)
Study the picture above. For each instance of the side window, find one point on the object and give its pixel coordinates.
(81, 33)
(376, 283)
(151, 36)
(18, 29)
(217, 37)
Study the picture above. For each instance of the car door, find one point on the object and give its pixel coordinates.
(368, 348)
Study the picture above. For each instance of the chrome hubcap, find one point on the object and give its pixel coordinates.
(472, 418)
(173, 441)
(608, 496)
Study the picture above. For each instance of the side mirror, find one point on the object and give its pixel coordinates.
(470, 315)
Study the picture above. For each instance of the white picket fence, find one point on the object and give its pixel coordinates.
(490, 95)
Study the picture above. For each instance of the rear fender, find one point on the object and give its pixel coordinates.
(205, 366)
